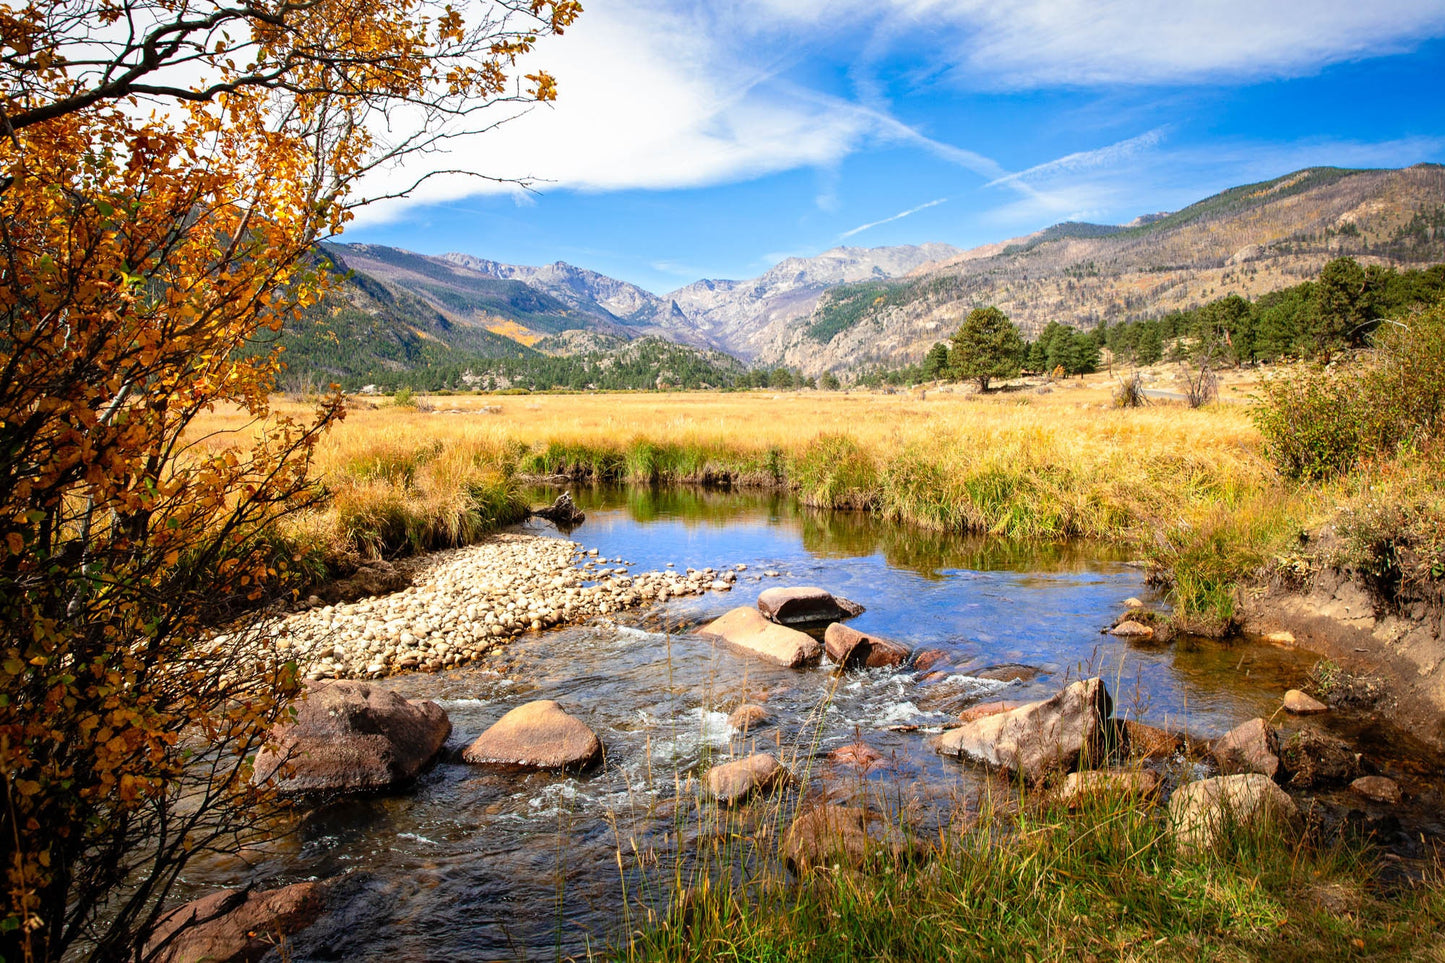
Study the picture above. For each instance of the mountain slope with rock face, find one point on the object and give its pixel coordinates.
(1247, 240)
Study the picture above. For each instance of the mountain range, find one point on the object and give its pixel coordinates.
(398, 311)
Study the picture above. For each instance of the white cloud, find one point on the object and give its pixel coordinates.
(661, 95)
(888, 220)
(1031, 43)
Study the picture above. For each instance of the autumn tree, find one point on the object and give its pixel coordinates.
(166, 167)
(986, 346)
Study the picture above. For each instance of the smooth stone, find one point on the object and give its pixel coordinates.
(235, 925)
(1380, 789)
(985, 709)
(858, 754)
(1302, 704)
(748, 716)
(733, 782)
(1038, 738)
(352, 736)
(1143, 741)
(1133, 603)
(1201, 813)
(805, 604)
(744, 628)
(538, 735)
(1129, 629)
(851, 648)
(1008, 672)
(928, 658)
(844, 836)
(1249, 747)
(1079, 787)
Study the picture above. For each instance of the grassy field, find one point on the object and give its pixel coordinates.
(1189, 488)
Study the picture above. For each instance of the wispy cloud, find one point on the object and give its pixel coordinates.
(1087, 160)
(888, 220)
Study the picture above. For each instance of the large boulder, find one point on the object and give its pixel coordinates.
(1039, 737)
(851, 648)
(235, 925)
(352, 736)
(847, 836)
(745, 629)
(735, 781)
(375, 577)
(1249, 747)
(1201, 814)
(538, 735)
(805, 604)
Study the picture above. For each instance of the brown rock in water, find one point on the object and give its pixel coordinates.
(928, 658)
(1300, 704)
(1129, 629)
(1313, 758)
(985, 709)
(1008, 672)
(846, 836)
(857, 754)
(745, 629)
(1378, 789)
(351, 736)
(1143, 741)
(235, 925)
(805, 604)
(1038, 738)
(747, 717)
(1249, 747)
(1079, 787)
(538, 735)
(851, 648)
(735, 781)
(1202, 813)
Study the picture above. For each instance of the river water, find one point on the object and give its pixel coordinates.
(470, 864)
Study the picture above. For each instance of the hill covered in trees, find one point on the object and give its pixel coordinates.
(1246, 241)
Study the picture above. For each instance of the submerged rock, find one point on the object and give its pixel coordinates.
(1008, 672)
(1249, 747)
(860, 755)
(235, 925)
(744, 628)
(851, 648)
(747, 717)
(1037, 738)
(350, 736)
(846, 836)
(538, 735)
(801, 605)
(735, 781)
(1201, 814)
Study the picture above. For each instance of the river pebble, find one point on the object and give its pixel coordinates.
(464, 601)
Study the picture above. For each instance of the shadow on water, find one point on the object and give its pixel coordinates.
(474, 864)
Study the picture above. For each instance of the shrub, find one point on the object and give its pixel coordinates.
(1310, 419)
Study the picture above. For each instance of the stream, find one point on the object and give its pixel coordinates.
(471, 864)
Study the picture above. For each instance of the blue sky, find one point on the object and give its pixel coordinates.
(712, 139)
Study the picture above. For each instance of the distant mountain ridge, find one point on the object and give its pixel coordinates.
(1248, 240)
(854, 306)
